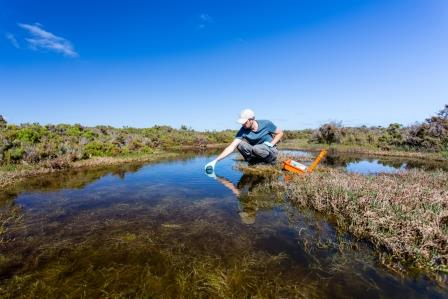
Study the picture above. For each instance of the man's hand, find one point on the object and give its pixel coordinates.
(268, 143)
(210, 167)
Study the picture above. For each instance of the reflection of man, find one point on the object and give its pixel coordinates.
(248, 208)
(247, 215)
(229, 185)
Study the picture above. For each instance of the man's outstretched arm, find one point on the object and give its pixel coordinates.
(227, 151)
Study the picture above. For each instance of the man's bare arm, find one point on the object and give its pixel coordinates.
(229, 149)
(278, 135)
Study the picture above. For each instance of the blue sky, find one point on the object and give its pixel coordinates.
(198, 63)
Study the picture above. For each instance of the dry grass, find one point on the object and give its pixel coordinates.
(404, 215)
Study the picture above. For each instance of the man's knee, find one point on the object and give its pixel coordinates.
(245, 149)
(260, 150)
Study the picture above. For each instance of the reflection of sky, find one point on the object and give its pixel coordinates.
(183, 179)
(179, 192)
(372, 167)
(365, 166)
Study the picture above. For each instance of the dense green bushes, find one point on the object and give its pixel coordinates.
(431, 135)
(34, 143)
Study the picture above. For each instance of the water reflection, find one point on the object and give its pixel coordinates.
(371, 165)
(168, 230)
(249, 205)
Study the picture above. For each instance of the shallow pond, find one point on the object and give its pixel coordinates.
(168, 230)
(369, 165)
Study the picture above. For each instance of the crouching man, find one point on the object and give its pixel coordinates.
(256, 141)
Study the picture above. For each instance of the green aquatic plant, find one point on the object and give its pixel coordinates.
(172, 261)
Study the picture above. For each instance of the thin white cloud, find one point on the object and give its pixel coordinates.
(12, 39)
(205, 19)
(41, 39)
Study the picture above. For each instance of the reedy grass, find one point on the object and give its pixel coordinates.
(404, 215)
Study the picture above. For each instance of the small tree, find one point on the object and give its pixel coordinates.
(328, 133)
(444, 112)
(395, 136)
(2, 122)
(432, 134)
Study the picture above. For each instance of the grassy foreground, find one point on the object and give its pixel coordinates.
(404, 215)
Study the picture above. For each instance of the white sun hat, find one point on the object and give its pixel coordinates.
(245, 115)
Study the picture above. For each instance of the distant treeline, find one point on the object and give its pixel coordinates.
(430, 135)
(34, 143)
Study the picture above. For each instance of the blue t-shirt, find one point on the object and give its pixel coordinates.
(264, 133)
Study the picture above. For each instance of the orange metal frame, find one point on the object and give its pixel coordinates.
(288, 164)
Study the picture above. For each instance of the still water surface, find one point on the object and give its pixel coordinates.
(168, 230)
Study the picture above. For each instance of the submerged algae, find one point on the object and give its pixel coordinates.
(166, 230)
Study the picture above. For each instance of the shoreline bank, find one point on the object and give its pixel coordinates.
(23, 171)
(10, 178)
(366, 151)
